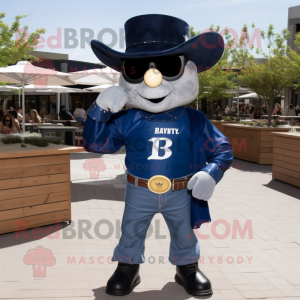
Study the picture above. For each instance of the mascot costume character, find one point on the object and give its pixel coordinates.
(174, 155)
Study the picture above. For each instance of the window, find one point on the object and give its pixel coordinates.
(43, 105)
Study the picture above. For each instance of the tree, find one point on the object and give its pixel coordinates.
(214, 81)
(193, 32)
(11, 50)
(278, 70)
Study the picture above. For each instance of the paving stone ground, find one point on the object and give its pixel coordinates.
(250, 250)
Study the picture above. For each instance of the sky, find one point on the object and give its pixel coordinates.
(103, 17)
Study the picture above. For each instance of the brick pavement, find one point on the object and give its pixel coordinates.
(265, 266)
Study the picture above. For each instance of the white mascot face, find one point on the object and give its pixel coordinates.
(165, 96)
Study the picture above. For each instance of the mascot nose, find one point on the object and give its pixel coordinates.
(153, 78)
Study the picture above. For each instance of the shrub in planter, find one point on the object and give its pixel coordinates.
(218, 118)
(57, 142)
(261, 124)
(11, 140)
(36, 142)
(230, 118)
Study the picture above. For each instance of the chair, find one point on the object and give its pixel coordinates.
(79, 136)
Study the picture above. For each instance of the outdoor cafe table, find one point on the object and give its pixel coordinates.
(50, 132)
(289, 117)
(274, 116)
(31, 126)
(64, 122)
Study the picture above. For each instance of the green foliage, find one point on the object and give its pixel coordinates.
(36, 141)
(11, 140)
(275, 123)
(193, 32)
(57, 142)
(230, 118)
(255, 124)
(240, 52)
(214, 81)
(260, 124)
(12, 50)
(277, 70)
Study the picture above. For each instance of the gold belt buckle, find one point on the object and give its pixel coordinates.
(159, 184)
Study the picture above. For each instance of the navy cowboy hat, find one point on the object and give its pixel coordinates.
(160, 35)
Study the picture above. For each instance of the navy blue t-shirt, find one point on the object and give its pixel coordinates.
(160, 145)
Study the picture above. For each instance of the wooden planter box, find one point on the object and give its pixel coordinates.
(35, 188)
(218, 124)
(252, 143)
(286, 157)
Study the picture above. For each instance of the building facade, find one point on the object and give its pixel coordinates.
(292, 96)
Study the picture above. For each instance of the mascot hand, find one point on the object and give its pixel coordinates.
(203, 185)
(112, 99)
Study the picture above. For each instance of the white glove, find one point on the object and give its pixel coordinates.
(203, 185)
(112, 99)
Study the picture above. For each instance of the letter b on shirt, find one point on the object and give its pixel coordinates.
(155, 148)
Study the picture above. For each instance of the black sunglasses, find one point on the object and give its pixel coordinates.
(171, 67)
(7, 120)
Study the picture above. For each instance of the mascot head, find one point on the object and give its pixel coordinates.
(160, 65)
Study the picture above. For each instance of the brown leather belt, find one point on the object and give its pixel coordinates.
(177, 184)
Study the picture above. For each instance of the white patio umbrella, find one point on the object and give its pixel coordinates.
(249, 96)
(58, 89)
(26, 73)
(96, 76)
(8, 88)
(100, 88)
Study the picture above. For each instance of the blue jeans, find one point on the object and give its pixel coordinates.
(140, 206)
(79, 119)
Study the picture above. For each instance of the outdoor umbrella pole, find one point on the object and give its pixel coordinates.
(238, 103)
(58, 105)
(23, 106)
(19, 98)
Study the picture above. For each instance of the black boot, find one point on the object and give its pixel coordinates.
(124, 280)
(193, 280)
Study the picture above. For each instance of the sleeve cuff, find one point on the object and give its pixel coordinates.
(98, 114)
(214, 171)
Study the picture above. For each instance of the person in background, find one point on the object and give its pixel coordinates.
(53, 111)
(65, 115)
(11, 109)
(297, 110)
(14, 115)
(1, 116)
(277, 110)
(247, 110)
(256, 113)
(234, 109)
(264, 109)
(227, 110)
(79, 113)
(19, 112)
(35, 117)
(290, 110)
(241, 110)
(7, 126)
(252, 110)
